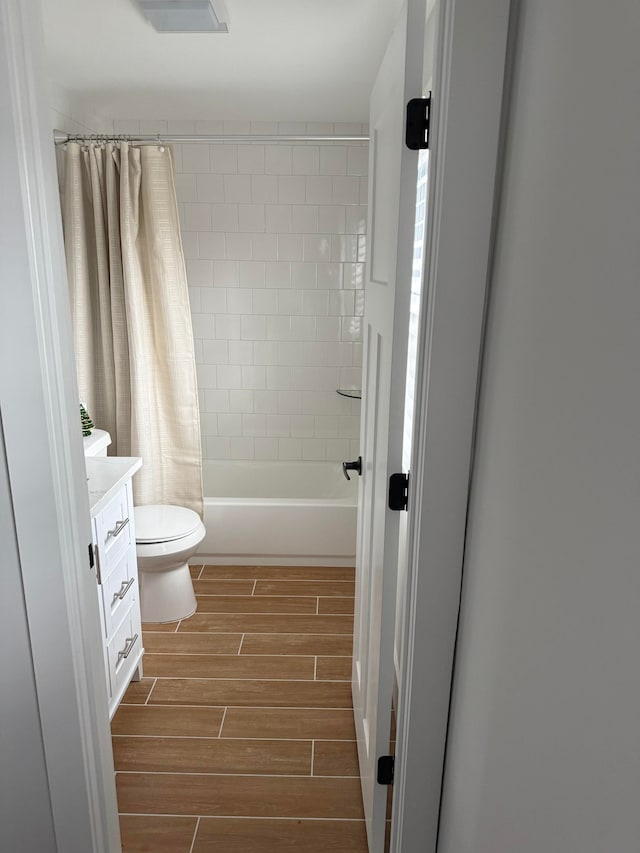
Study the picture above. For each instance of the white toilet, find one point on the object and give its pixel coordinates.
(166, 538)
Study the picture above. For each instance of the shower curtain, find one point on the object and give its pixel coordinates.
(132, 325)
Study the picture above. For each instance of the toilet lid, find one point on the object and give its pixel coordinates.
(161, 523)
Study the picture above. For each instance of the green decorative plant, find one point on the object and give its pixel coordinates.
(87, 423)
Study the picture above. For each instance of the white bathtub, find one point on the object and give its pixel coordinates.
(278, 513)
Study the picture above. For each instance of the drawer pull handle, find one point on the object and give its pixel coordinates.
(124, 589)
(117, 530)
(131, 641)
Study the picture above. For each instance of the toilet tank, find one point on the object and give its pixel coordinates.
(96, 444)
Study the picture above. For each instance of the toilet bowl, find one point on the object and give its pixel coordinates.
(166, 538)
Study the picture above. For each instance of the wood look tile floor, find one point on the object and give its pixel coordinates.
(240, 737)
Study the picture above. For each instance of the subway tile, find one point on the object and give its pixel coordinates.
(342, 303)
(346, 190)
(304, 219)
(254, 425)
(224, 217)
(332, 218)
(357, 355)
(209, 188)
(290, 247)
(362, 247)
(353, 276)
(225, 273)
(358, 160)
(265, 352)
(126, 126)
(251, 159)
(291, 128)
(337, 448)
(351, 329)
(364, 191)
(217, 401)
(265, 402)
(216, 352)
(349, 426)
(253, 327)
(303, 328)
(195, 158)
(227, 326)
(241, 401)
(302, 426)
(240, 352)
(181, 127)
(229, 376)
(291, 189)
(229, 424)
(306, 160)
(264, 128)
(333, 160)
(348, 128)
(316, 247)
(314, 449)
(211, 245)
(238, 247)
(278, 328)
(315, 302)
(234, 127)
(223, 158)
(186, 187)
(278, 160)
(290, 352)
(239, 301)
(206, 375)
(319, 189)
(316, 352)
(279, 378)
(314, 402)
(303, 275)
(354, 448)
(290, 402)
(290, 448)
(341, 354)
(253, 377)
(278, 425)
(218, 447)
(326, 426)
(265, 302)
(197, 350)
(350, 377)
(266, 447)
(344, 248)
(197, 217)
(241, 447)
(265, 247)
(329, 276)
(208, 127)
(289, 302)
(237, 188)
(190, 244)
(252, 273)
(251, 217)
(278, 218)
(202, 325)
(214, 300)
(199, 273)
(264, 189)
(356, 219)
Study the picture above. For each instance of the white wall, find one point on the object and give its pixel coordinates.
(544, 748)
(274, 240)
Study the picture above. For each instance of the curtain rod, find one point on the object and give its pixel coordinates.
(61, 138)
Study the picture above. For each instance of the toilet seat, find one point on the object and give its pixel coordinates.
(156, 523)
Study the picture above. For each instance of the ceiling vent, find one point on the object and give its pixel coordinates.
(183, 16)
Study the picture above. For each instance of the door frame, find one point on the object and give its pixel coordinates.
(44, 452)
(467, 119)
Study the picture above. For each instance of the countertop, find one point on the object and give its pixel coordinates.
(105, 475)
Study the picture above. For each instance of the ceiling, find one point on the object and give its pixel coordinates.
(286, 60)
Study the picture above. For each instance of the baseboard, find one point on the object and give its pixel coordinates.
(253, 560)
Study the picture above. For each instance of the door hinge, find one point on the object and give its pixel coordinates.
(399, 491)
(418, 123)
(91, 560)
(386, 765)
(94, 560)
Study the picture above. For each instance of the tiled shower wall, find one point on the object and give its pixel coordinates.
(274, 239)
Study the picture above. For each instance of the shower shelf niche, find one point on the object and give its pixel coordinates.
(353, 393)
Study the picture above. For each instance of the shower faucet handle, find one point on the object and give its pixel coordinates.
(352, 466)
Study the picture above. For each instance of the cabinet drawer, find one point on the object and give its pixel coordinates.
(114, 532)
(124, 650)
(119, 591)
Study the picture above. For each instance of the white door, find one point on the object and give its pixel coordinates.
(392, 194)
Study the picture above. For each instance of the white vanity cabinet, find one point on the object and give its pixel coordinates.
(114, 544)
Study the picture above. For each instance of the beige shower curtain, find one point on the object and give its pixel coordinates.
(130, 305)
